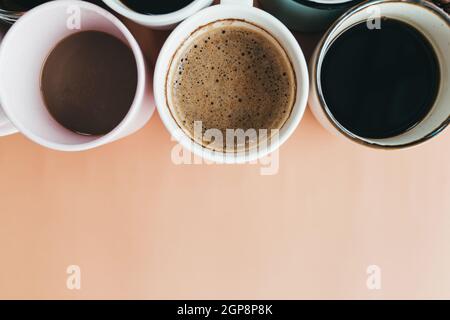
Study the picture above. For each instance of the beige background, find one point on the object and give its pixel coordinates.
(141, 227)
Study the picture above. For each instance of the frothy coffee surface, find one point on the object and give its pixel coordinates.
(231, 75)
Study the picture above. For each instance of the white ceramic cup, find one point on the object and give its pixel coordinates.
(6, 127)
(23, 54)
(240, 10)
(158, 21)
(434, 24)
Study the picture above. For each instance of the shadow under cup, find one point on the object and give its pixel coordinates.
(434, 26)
(23, 54)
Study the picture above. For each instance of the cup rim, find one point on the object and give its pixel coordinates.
(161, 70)
(158, 20)
(140, 89)
(316, 76)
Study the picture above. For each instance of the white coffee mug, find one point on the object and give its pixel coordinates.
(434, 24)
(6, 127)
(158, 21)
(23, 53)
(239, 10)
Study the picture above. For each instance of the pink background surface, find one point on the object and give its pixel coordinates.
(141, 227)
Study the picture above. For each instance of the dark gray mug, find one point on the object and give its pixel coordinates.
(308, 15)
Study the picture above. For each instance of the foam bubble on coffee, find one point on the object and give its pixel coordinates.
(231, 75)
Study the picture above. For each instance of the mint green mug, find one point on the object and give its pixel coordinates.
(308, 15)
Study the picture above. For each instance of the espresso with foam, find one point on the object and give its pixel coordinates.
(231, 75)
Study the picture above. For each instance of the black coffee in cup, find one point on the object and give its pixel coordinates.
(379, 83)
(156, 7)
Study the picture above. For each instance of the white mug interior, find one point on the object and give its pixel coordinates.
(434, 25)
(158, 21)
(261, 19)
(22, 56)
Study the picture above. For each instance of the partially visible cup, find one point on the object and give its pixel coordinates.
(12, 10)
(158, 21)
(23, 53)
(307, 15)
(6, 127)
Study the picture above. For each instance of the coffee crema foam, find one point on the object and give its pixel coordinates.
(234, 75)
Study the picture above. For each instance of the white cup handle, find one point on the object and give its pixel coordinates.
(240, 2)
